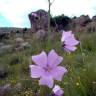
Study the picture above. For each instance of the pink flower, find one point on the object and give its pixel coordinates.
(69, 41)
(47, 68)
(57, 91)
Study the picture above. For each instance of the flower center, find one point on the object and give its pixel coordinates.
(63, 44)
(47, 68)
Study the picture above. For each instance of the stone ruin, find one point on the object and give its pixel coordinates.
(38, 20)
(84, 24)
(83, 20)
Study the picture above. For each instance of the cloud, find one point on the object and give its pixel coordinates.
(74, 7)
(16, 11)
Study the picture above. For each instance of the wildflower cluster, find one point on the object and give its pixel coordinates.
(47, 67)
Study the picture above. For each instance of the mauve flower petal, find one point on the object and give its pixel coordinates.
(40, 60)
(58, 72)
(59, 93)
(54, 59)
(69, 48)
(57, 90)
(36, 71)
(65, 35)
(71, 41)
(48, 81)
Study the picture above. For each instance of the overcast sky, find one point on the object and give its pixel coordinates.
(14, 13)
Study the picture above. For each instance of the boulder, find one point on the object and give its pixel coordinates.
(5, 48)
(94, 18)
(83, 20)
(19, 40)
(91, 27)
(38, 20)
(4, 35)
(5, 89)
(40, 35)
(22, 46)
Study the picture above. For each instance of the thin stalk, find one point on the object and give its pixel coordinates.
(49, 31)
(81, 49)
(44, 91)
(83, 58)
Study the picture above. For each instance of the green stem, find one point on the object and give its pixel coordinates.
(49, 17)
(81, 49)
(83, 58)
(49, 30)
(44, 91)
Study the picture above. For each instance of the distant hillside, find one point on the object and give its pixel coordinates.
(9, 29)
(77, 24)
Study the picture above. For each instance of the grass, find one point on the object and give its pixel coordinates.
(80, 79)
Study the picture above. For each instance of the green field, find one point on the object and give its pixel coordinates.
(81, 64)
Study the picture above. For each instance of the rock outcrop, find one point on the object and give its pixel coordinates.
(40, 35)
(38, 20)
(91, 27)
(94, 18)
(83, 20)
